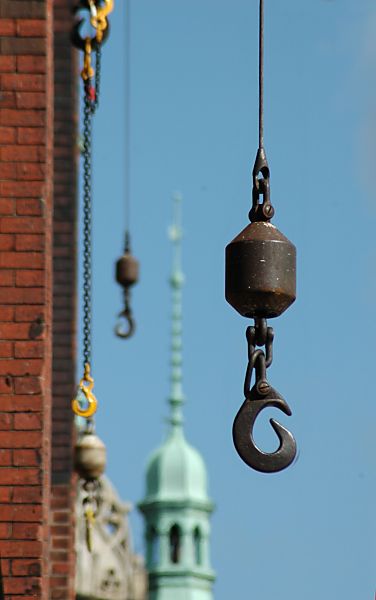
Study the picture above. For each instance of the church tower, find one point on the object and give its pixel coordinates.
(176, 506)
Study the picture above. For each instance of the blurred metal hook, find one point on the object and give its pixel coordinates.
(242, 432)
(126, 325)
(80, 42)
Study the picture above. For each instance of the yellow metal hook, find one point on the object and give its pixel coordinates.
(85, 388)
(99, 17)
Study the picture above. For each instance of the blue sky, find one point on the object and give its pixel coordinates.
(308, 532)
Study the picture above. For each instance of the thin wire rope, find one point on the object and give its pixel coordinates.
(261, 75)
(127, 111)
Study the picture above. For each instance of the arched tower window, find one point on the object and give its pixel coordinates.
(153, 546)
(197, 545)
(175, 544)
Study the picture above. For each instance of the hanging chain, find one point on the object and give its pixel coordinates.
(91, 102)
(87, 229)
(260, 360)
(84, 404)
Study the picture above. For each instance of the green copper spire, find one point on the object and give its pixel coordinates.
(176, 506)
(176, 398)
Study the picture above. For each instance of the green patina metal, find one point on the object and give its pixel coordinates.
(176, 506)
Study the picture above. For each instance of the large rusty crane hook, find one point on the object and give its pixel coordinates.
(242, 433)
(261, 396)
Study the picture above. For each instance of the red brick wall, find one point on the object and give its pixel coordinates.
(37, 265)
(62, 558)
(26, 144)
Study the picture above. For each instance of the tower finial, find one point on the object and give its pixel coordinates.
(176, 398)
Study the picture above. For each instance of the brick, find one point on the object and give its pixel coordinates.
(27, 495)
(15, 117)
(6, 421)
(5, 458)
(7, 99)
(30, 242)
(6, 349)
(20, 549)
(6, 242)
(29, 349)
(30, 207)
(5, 494)
(14, 331)
(22, 82)
(20, 585)
(17, 152)
(21, 295)
(26, 458)
(6, 278)
(27, 385)
(19, 260)
(30, 171)
(30, 278)
(27, 421)
(31, 64)
(26, 531)
(4, 534)
(22, 9)
(7, 134)
(18, 367)
(59, 568)
(31, 27)
(31, 135)
(21, 189)
(5, 567)
(8, 170)
(7, 63)
(21, 513)
(7, 27)
(26, 567)
(6, 312)
(29, 313)
(6, 206)
(6, 385)
(18, 45)
(30, 99)
(21, 403)
(17, 476)
(22, 224)
(20, 439)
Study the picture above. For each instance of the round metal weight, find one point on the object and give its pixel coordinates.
(90, 456)
(260, 271)
(127, 270)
